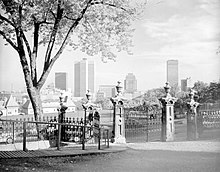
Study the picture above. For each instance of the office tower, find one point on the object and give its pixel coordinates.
(84, 77)
(183, 84)
(108, 90)
(186, 84)
(61, 80)
(172, 72)
(130, 83)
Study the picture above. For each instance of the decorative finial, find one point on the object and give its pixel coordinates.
(192, 93)
(119, 88)
(88, 95)
(167, 88)
(61, 98)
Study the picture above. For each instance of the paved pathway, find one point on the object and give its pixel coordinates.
(191, 146)
(65, 151)
(210, 142)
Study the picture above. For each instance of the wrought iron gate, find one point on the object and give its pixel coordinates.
(142, 123)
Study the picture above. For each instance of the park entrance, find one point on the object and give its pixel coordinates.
(142, 123)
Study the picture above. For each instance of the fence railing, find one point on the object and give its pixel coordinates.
(71, 130)
(142, 124)
(210, 118)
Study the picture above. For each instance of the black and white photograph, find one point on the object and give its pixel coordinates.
(110, 85)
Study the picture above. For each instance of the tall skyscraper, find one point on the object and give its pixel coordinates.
(84, 77)
(130, 83)
(61, 80)
(172, 72)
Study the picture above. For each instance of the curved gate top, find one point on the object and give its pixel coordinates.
(142, 123)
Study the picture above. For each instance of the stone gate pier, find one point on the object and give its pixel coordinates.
(118, 131)
(168, 129)
(192, 117)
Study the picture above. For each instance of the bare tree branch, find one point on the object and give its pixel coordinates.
(108, 4)
(26, 43)
(8, 21)
(52, 61)
(69, 18)
(53, 35)
(34, 54)
(9, 40)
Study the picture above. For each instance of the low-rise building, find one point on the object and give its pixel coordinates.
(8, 105)
(49, 106)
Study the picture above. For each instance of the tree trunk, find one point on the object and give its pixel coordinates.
(35, 99)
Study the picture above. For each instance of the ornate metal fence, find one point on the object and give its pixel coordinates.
(71, 130)
(142, 123)
(209, 115)
(210, 118)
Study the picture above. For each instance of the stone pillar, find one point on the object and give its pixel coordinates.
(89, 108)
(61, 115)
(192, 115)
(168, 129)
(118, 130)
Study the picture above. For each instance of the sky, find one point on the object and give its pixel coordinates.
(187, 31)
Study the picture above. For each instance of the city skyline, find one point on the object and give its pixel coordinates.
(186, 31)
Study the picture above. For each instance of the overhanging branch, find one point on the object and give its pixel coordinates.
(9, 40)
(108, 4)
(26, 43)
(52, 61)
(6, 20)
(50, 46)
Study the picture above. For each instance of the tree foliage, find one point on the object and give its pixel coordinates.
(92, 26)
(105, 103)
(207, 93)
(152, 96)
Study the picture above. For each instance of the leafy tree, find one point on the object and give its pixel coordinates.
(93, 26)
(105, 103)
(207, 93)
(212, 92)
(200, 88)
(174, 90)
(152, 96)
(180, 104)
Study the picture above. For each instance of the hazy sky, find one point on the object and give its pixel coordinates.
(185, 30)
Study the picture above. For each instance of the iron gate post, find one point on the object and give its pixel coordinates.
(192, 117)
(168, 129)
(61, 114)
(118, 129)
(88, 106)
(24, 136)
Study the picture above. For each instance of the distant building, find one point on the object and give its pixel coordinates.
(100, 95)
(130, 83)
(172, 72)
(108, 90)
(61, 80)
(8, 105)
(185, 84)
(128, 96)
(49, 106)
(84, 77)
